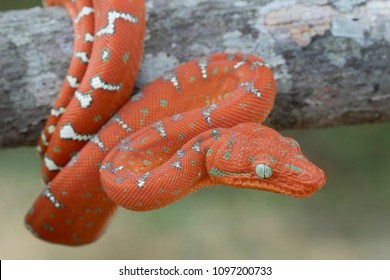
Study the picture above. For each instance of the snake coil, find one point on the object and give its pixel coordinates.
(198, 125)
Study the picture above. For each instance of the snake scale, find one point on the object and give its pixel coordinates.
(198, 125)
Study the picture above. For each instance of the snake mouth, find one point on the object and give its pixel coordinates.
(301, 186)
(215, 172)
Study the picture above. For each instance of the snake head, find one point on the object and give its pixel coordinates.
(257, 157)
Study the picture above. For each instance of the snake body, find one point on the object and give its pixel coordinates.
(108, 79)
(196, 126)
(83, 21)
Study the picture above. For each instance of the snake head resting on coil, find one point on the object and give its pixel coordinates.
(257, 157)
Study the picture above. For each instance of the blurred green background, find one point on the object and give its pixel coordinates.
(348, 219)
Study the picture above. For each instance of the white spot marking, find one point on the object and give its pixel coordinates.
(159, 126)
(44, 139)
(72, 81)
(85, 99)
(51, 165)
(177, 117)
(99, 143)
(110, 168)
(171, 77)
(124, 125)
(68, 133)
(207, 113)
(51, 129)
(111, 18)
(48, 194)
(88, 38)
(83, 56)
(105, 55)
(98, 83)
(177, 164)
(85, 11)
(196, 146)
(141, 182)
(73, 160)
(258, 64)
(57, 112)
(250, 87)
(203, 62)
(240, 63)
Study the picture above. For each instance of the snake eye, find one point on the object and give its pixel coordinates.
(263, 171)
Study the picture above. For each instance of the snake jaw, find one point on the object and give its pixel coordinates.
(300, 186)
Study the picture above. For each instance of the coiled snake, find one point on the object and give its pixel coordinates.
(196, 126)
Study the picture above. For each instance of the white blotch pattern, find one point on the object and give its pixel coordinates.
(99, 143)
(51, 165)
(68, 133)
(83, 56)
(141, 181)
(171, 77)
(203, 62)
(159, 126)
(73, 160)
(243, 61)
(177, 164)
(48, 194)
(98, 83)
(258, 64)
(216, 133)
(196, 146)
(51, 129)
(124, 125)
(250, 87)
(85, 11)
(105, 55)
(44, 139)
(207, 113)
(72, 81)
(112, 17)
(88, 38)
(177, 117)
(57, 112)
(85, 99)
(109, 167)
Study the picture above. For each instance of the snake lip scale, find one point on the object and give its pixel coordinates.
(198, 125)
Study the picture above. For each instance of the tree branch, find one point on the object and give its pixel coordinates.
(330, 57)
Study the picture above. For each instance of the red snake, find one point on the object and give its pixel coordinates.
(196, 126)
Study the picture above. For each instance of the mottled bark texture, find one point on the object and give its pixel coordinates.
(331, 58)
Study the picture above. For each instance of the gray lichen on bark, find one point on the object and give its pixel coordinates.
(330, 57)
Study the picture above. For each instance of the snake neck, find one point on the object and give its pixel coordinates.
(148, 176)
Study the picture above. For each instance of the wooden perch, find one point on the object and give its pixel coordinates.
(331, 58)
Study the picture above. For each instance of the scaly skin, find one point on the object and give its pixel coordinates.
(142, 174)
(107, 83)
(82, 15)
(198, 125)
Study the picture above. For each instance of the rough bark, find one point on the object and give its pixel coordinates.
(331, 58)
